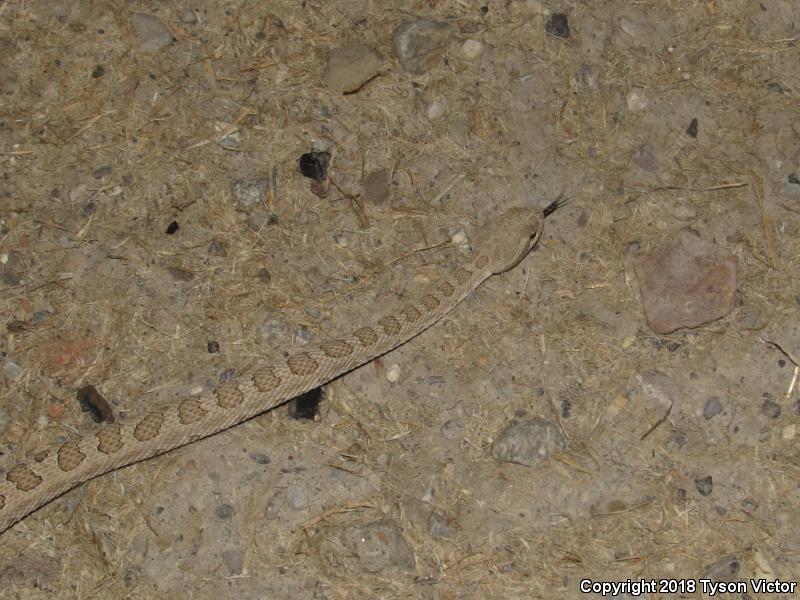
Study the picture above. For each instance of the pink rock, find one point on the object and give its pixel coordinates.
(687, 283)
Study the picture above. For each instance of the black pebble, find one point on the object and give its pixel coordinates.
(793, 179)
(264, 276)
(99, 71)
(692, 129)
(566, 409)
(172, 228)
(704, 485)
(213, 347)
(306, 406)
(95, 404)
(314, 165)
(557, 25)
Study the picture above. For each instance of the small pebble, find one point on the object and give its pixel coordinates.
(691, 131)
(188, 17)
(227, 375)
(296, 497)
(712, 408)
(172, 228)
(704, 485)
(40, 316)
(11, 278)
(393, 373)
(102, 172)
(224, 511)
(725, 569)
(341, 239)
(644, 157)
(686, 283)
(471, 49)
(452, 429)
(636, 100)
(93, 402)
(348, 69)
(213, 347)
(151, 32)
(302, 336)
(314, 165)
(233, 561)
(789, 432)
(378, 546)
(770, 409)
(264, 276)
(376, 186)
(98, 72)
(529, 443)
(12, 370)
(557, 25)
(633, 248)
(249, 193)
(420, 45)
(218, 248)
(439, 528)
(260, 458)
(459, 239)
(55, 410)
(435, 110)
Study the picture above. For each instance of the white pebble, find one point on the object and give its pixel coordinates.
(459, 237)
(341, 239)
(435, 110)
(471, 49)
(636, 100)
(789, 432)
(393, 373)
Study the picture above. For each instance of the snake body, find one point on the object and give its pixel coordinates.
(24, 488)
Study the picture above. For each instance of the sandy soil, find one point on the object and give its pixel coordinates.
(681, 455)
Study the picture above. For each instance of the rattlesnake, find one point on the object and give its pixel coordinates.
(500, 246)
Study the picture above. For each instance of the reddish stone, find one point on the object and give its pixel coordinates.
(687, 283)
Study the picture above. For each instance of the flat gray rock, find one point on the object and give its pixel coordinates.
(419, 45)
(687, 283)
(376, 186)
(379, 545)
(350, 68)
(530, 443)
(151, 32)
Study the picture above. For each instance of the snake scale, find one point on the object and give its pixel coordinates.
(499, 246)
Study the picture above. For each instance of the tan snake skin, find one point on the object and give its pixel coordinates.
(500, 246)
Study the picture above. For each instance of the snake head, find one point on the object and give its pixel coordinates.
(508, 239)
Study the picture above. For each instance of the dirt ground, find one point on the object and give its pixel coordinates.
(151, 209)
